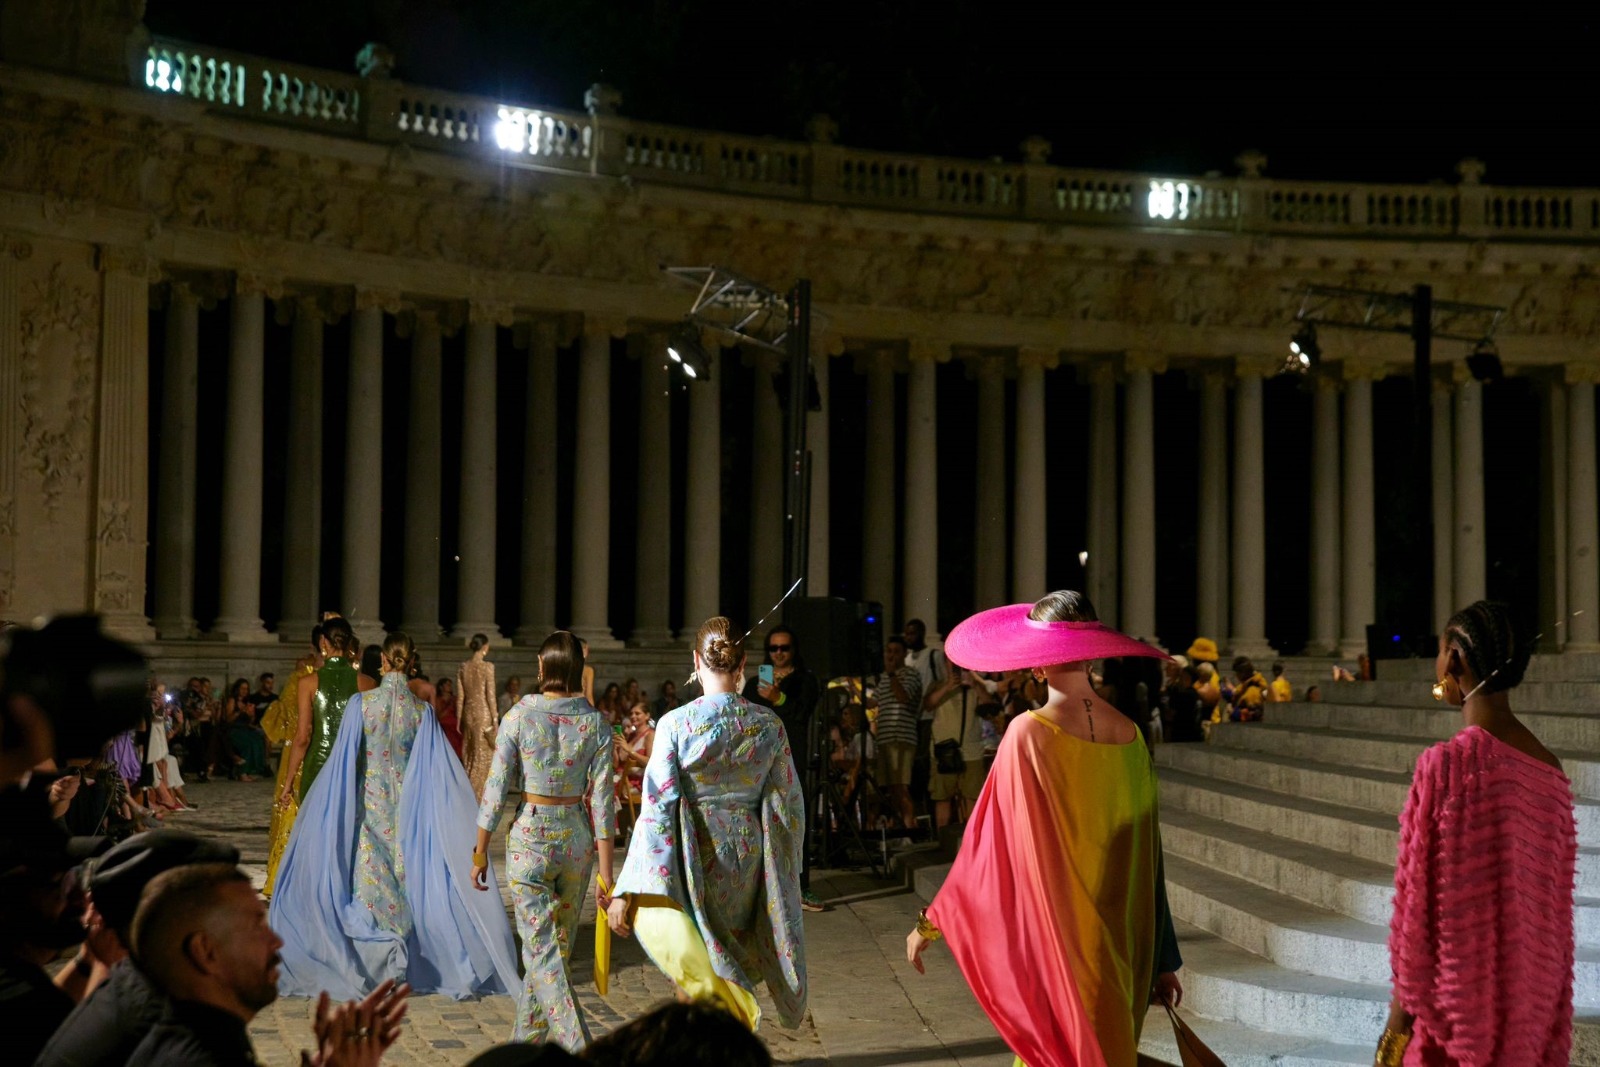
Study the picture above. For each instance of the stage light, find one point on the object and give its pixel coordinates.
(684, 349)
(511, 130)
(1484, 363)
(1083, 559)
(1304, 351)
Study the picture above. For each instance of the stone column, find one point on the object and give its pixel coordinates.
(1139, 495)
(538, 488)
(591, 519)
(302, 503)
(240, 616)
(702, 535)
(1553, 514)
(1028, 541)
(920, 549)
(175, 482)
(1471, 576)
(989, 492)
(1360, 572)
(1102, 539)
(1444, 517)
(11, 425)
(1212, 617)
(1325, 518)
(363, 484)
(1249, 631)
(424, 482)
(820, 519)
(766, 490)
(652, 588)
(476, 541)
(1583, 523)
(122, 473)
(878, 510)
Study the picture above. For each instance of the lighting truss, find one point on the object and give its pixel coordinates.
(744, 311)
(1370, 309)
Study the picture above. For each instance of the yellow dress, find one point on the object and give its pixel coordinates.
(280, 722)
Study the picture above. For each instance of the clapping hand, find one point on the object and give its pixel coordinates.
(357, 1033)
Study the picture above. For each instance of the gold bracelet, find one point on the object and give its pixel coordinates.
(1391, 1049)
(926, 928)
(480, 859)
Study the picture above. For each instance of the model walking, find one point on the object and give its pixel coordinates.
(712, 881)
(555, 750)
(1481, 939)
(1055, 908)
(321, 707)
(479, 714)
(370, 888)
(280, 722)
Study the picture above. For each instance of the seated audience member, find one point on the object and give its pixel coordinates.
(36, 923)
(1282, 690)
(201, 934)
(1247, 693)
(122, 1004)
(524, 1054)
(697, 1034)
(666, 701)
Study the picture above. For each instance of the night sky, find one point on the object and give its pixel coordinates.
(1334, 92)
(1342, 95)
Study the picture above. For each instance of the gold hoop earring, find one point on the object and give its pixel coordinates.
(1038, 675)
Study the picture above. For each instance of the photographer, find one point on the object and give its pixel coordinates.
(784, 685)
(957, 745)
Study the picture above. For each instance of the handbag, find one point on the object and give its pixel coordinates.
(1192, 1052)
(947, 757)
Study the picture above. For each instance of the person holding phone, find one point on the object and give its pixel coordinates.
(783, 684)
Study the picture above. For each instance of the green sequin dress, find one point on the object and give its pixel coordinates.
(336, 684)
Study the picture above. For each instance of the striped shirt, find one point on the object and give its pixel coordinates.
(897, 721)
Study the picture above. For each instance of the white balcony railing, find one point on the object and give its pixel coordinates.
(380, 109)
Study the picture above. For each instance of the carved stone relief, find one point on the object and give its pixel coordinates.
(57, 398)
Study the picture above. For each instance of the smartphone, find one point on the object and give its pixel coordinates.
(764, 673)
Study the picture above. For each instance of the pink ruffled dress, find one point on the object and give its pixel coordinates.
(1481, 940)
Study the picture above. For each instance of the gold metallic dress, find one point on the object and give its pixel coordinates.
(480, 720)
(279, 722)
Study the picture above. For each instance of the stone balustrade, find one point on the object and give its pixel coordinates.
(381, 109)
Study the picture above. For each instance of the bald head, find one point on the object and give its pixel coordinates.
(201, 933)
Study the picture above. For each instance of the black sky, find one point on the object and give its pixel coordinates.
(1338, 92)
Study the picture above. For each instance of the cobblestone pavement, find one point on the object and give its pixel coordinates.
(868, 1008)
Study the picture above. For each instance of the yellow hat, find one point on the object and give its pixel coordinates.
(1203, 649)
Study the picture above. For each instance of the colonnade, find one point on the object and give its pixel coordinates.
(1122, 507)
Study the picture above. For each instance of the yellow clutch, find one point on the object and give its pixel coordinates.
(602, 946)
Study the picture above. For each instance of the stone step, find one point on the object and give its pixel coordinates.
(1323, 878)
(1567, 731)
(1373, 751)
(1239, 1046)
(1575, 696)
(1323, 778)
(1289, 933)
(1366, 835)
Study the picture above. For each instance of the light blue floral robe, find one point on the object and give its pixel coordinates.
(721, 832)
(376, 881)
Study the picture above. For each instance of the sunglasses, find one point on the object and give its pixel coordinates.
(778, 648)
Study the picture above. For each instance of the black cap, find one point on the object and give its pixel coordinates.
(123, 872)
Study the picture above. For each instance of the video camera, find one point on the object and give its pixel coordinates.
(67, 690)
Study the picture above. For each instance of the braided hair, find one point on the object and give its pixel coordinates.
(1492, 644)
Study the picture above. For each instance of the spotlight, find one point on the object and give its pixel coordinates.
(684, 349)
(511, 130)
(1484, 363)
(1304, 352)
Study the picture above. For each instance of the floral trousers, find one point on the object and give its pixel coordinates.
(549, 859)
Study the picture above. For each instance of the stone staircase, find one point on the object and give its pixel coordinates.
(1280, 840)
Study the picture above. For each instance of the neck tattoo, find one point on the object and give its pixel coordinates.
(1088, 709)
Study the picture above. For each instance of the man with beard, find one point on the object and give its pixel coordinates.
(201, 934)
(124, 1004)
(36, 922)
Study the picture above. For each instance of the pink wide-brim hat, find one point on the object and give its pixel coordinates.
(1005, 639)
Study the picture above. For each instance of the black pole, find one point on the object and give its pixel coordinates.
(797, 534)
(1420, 619)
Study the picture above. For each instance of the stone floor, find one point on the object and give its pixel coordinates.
(868, 1007)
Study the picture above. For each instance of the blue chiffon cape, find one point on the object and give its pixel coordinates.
(461, 943)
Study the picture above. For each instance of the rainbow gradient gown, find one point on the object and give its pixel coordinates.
(1055, 908)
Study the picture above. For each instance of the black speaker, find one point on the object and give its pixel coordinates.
(837, 637)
